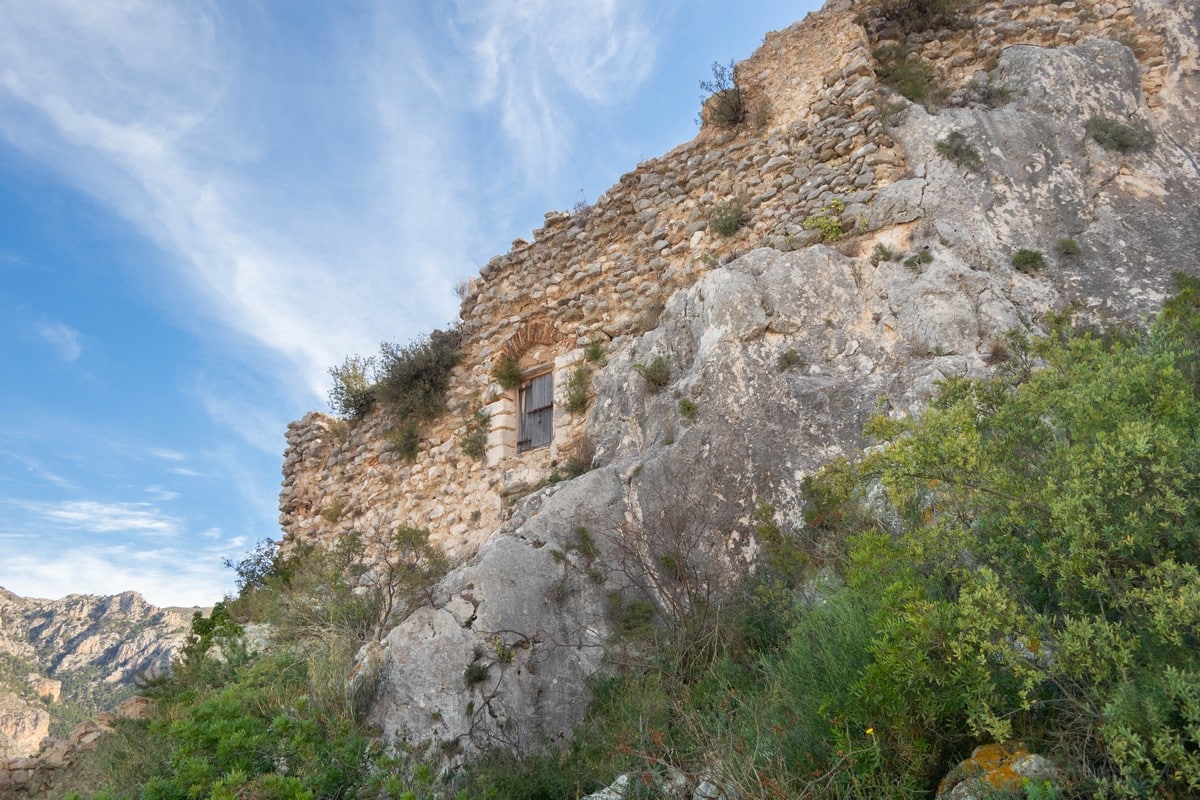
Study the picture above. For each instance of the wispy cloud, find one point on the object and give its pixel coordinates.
(161, 494)
(63, 338)
(97, 517)
(164, 577)
(529, 58)
(167, 455)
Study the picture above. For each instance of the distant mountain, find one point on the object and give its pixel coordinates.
(62, 661)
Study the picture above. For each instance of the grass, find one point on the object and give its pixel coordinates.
(688, 409)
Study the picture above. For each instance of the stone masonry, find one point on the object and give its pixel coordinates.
(817, 131)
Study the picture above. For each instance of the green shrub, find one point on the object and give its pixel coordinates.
(473, 443)
(414, 379)
(922, 256)
(956, 148)
(1028, 261)
(908, 75)
(728, 217)
(475, 673)
(1067, 247)
(725, 103)
(1115, 135)
(507, 372)
(915, 16)
(882, 253)
(405, 440)
(688, 409)
(826, 222)
(579, 387)
(353, 392)
(594, 352)
(788, 359)
(656, 373)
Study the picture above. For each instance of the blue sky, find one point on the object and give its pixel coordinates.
(206, 204)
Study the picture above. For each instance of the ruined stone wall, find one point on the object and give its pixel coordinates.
(817, 131)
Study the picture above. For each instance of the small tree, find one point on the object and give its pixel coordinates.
(725, 102)
(353, 392)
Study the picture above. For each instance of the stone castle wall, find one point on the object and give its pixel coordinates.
(817, 131)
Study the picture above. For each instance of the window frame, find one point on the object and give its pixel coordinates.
(538, 421)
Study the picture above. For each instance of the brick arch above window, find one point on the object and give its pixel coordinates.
(530, 335)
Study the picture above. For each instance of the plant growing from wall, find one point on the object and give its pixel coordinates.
(579, 386)
(594, 352)
(908, 75)
(728, 217)
(405, 440)
(724, 105)
(915, 16)
(507, 372)
(353, 392)
(826, 222)
(473, 443)
(414, 379)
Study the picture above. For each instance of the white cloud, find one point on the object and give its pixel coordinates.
(161, 494)
(96, 517)
(63, 338)
(163, 577)
(166, 455)
(531, 58)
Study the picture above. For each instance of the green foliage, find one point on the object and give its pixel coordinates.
(475, 673)
(656, 373)
(882, 253)
(594, 352)
(910, 76)
(413, 379)
(1112, 134)
(281, 723)
(922, 256)
(1067, 247)
(789, 359)
(353, 392)
(956, 148)
(724, 103)
(507, 372)
(473, 443)
(579, 386)
(728, 217)
(405, 440)
(827, 221)
(915, 16)
(688, 409)
(258, 566)
(1028, 261)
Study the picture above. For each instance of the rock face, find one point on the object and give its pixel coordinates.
(82, 650)
(764, 366)
(23, 726)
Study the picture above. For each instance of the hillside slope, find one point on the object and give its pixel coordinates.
(65, 660)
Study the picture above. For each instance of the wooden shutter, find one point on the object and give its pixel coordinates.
(536, 418)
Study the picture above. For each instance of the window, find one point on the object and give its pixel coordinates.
(535, 412)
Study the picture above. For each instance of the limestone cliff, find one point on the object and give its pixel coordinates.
(877, 258)
(65, 660)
